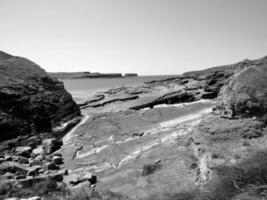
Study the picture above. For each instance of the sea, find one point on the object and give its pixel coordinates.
(82, 89)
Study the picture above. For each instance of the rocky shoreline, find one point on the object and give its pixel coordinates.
(198, 136)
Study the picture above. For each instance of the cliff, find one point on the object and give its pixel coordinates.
(30, 101)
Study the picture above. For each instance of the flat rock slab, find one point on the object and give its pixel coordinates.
(117, 146)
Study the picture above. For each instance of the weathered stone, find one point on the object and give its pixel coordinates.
(85, 177)
(23, 151)
(51, 145)
(37, 151)
(31, 101)
(57, 153)
(41, 171)
(57, 160)
(56, 177)
(9, 175)
(51, 166)
(13, 168)
(33, 171)
(8, 158)
(37, 161)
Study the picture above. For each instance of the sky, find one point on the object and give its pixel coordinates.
(149, 37)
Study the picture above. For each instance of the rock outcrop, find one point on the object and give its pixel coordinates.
(246, 94)
(30, 101)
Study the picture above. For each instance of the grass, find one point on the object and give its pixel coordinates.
(50, 190)
(229, 182)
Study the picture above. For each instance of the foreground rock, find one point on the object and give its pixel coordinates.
(31, 101)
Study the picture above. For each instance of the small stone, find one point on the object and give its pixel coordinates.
(66, 172)
(41, 171)
(57, 160)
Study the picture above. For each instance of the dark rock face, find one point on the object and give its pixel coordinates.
(30, 101)
(246, 94)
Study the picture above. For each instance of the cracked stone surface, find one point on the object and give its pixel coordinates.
(116, 146)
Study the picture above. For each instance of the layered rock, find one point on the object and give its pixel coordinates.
(31, 101)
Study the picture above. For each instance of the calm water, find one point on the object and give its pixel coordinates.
(81, 89)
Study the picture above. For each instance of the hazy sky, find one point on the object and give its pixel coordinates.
(143, 36)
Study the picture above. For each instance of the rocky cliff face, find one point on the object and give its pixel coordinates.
(30, 101)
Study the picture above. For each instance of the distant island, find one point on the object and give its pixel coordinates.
(75, 75)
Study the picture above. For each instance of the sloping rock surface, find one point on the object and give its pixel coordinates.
(30, 101)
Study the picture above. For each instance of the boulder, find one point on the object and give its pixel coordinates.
(37, 151)
(33, 171)
(9, 175)
(23, 151)
(57, 160)
(37, 161)
(51, 145)
(76, 179)
(246, 94)
(83, 186)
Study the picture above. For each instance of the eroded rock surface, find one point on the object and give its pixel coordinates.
(174, 141)
(132, 152)
(31, 101)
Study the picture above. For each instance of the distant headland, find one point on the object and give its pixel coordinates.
(75, 75)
